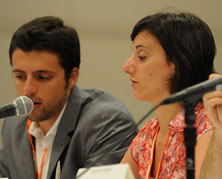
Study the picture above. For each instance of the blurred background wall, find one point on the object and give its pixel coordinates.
(104, 29)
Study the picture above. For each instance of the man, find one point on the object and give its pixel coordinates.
(213, 159)
(68, 126)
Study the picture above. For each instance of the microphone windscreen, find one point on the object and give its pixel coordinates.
(23, 105)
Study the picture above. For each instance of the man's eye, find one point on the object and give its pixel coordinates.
(20, 76)
(43, 78)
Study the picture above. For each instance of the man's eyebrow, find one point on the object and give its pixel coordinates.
(44, 71)
(16, 70)
(38, 71)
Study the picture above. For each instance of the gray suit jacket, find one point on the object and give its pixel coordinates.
(95, 129)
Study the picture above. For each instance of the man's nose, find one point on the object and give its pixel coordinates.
(30, 87)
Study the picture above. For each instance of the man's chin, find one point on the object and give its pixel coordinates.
(34, 117)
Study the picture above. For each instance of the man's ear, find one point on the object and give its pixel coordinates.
(73, 77)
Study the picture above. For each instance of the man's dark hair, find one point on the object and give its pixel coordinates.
(188, 43)
(50, 34)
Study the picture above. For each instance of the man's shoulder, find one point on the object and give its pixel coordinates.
(100, 94)
(104, 101)
(13, 126)
(95, 99)
(94, 106)
(14, 122)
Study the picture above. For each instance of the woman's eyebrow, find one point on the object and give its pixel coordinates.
(142, 46)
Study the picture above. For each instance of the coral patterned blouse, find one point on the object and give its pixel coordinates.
(174, 156)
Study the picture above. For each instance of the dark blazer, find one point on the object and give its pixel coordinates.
(95, 129)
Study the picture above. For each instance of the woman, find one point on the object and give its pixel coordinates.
(170, 52)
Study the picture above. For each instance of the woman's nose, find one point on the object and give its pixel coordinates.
(128, 66)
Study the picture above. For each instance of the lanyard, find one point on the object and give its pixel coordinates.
(148, 173)
(37, 175)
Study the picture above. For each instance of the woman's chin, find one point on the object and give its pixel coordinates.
(139, 97)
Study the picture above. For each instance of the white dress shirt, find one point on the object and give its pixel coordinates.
(44, 141)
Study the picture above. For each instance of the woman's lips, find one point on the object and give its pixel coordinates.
(133, 82)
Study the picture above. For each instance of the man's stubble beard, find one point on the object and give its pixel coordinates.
(48, 112)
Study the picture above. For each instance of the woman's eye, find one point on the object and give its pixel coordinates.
(141, 57)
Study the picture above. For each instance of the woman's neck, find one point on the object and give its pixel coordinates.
(165, 114)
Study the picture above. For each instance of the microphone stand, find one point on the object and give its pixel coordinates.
(190, 137)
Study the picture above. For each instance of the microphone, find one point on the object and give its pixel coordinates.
(21, 106)
(194, 93)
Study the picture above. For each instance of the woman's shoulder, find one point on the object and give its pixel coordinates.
(202, 122)
(150, 126)
(146, 132)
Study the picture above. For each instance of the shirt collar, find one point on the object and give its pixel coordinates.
(178, 123)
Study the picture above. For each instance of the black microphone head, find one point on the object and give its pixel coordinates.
(23, 105)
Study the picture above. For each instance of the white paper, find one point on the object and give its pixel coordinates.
(116, 171)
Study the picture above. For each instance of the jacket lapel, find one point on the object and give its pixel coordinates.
(25, 157)
(66, 128)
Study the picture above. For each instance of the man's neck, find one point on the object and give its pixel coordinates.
(47, 124)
